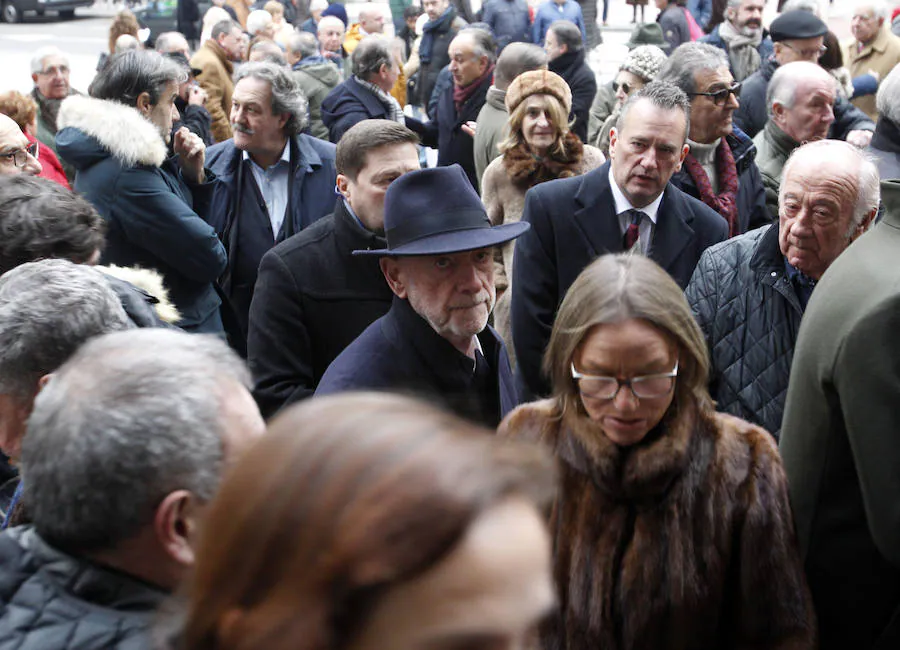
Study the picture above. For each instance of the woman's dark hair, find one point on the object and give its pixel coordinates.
(40, 219)
(344, 498)
(832, 59)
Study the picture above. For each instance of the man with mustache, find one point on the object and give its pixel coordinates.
(274, 180)
(628, 204)
(434, 341)
(742, 37)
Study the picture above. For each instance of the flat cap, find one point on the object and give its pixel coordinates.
(796, 24)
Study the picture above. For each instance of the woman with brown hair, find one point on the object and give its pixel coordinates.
(124, 23)
(370, 521)
(672, 527)
(539, 147)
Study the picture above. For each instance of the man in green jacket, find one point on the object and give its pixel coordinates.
(840, 439)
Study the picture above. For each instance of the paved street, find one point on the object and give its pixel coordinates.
(85, 37)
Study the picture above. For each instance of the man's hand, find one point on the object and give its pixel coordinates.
(469, 127)
(197, 96)
(859, 138)
(191, 155)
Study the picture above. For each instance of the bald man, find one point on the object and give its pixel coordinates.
(371, 21)
(17, 156)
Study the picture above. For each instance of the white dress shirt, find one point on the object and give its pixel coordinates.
(623, 205)
(274, 184)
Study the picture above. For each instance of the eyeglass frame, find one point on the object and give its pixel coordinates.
(577, 376)
(724, 93)
(803, 53)
(20, 156)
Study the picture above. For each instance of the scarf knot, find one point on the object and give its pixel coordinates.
(725, 202)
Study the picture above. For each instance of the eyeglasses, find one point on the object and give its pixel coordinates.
(624, 86)
(56, 69)
(20, 156)
(643, 387)
(807, 54)
(719, 97)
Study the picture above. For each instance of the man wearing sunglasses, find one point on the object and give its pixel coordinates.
(719, 168)
(17, 156)
(798, 36)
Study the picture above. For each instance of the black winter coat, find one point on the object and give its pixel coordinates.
(509, 21)
(348, 104)
(751, 198)
(454, 145)
(750, 315)
(400, 352)
(572, 67)
(751, 115)
(573, 221)
(53, 601)
(312, 299)
(674, 26)
(440, 58)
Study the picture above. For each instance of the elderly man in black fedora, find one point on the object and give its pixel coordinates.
(434, 341)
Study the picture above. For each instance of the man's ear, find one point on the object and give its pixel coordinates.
(34, 77)
(143, 103)
(778, 110)
(865, 224)
(43, 381)
(343, 186)
(176, 525)
(613, 141)
(390, 267)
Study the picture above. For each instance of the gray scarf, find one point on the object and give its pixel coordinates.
(742, 50)
(395, 111)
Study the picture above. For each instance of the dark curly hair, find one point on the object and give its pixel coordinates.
(40, 219)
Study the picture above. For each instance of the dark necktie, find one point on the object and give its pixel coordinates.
(633, 233)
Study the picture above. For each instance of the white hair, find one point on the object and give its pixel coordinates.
(879, 7)
(37, 61)
(212, 16)
(318, 5)
(257, 21)
(328, 20)
(887, 101)
(868, 181)
(788, 78)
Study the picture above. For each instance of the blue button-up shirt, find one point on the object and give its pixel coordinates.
(273, 184)
(549, 12)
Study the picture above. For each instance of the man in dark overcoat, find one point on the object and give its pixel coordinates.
(627, 204)
(435, 341)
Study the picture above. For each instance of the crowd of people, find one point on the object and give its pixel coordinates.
(616, 370)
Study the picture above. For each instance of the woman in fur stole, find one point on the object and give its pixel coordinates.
(539, 147)
(672, 527)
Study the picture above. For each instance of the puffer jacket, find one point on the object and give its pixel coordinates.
(53, 601)
(750, 314)
(317, 77)
(751, 198)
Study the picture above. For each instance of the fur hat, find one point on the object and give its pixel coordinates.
(644, 61)
(538, 82)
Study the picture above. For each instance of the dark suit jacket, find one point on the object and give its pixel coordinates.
(839, 440)
(400, 352)
(313, 298)
(348, 104)
(573, 221)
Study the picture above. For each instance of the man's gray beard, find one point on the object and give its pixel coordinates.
(750, 32)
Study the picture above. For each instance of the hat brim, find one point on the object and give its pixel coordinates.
(457, 241)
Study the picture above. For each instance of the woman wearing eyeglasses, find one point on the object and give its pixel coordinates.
(638, 69)
(672, 527)
(540, 147)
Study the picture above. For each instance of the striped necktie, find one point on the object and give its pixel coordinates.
(633, 233)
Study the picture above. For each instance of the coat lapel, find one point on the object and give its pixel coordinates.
(595, 212)
(672, 231)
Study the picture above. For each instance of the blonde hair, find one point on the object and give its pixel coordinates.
(558, 117)
(615, 288)
(275, 8)
(124, 23)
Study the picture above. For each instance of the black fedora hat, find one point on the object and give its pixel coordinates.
(436, 212)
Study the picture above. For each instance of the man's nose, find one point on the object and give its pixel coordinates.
(468, 279)
(32, 166)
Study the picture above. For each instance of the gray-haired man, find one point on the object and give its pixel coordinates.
(48, 309)
(126, 445)
(274, 181)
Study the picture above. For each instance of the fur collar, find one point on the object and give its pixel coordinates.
(151, 283)
(527, 170)
(121, 130)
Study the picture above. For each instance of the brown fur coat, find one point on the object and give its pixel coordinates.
(684, 542)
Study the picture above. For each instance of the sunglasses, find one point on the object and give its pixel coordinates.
(719, 97)
(624, 86)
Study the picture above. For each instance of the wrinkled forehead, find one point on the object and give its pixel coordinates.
(54, 61)
(823, 173)
(11, 136)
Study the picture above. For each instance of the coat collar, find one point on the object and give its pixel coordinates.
(218, 52)
(890, 195)
(224, 157)
(879, 45)
(597, 220)
(121, 130)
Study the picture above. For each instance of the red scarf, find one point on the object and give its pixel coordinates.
(725, 202)
(462, 95)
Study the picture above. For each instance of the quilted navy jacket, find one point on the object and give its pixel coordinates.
(53, 601)
(750, 314)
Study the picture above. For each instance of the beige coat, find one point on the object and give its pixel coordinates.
(215, 79)
(880, 56)
(505, 202)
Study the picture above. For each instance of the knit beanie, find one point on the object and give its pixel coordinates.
(538, 82)
(338, 11)
(644, 61)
